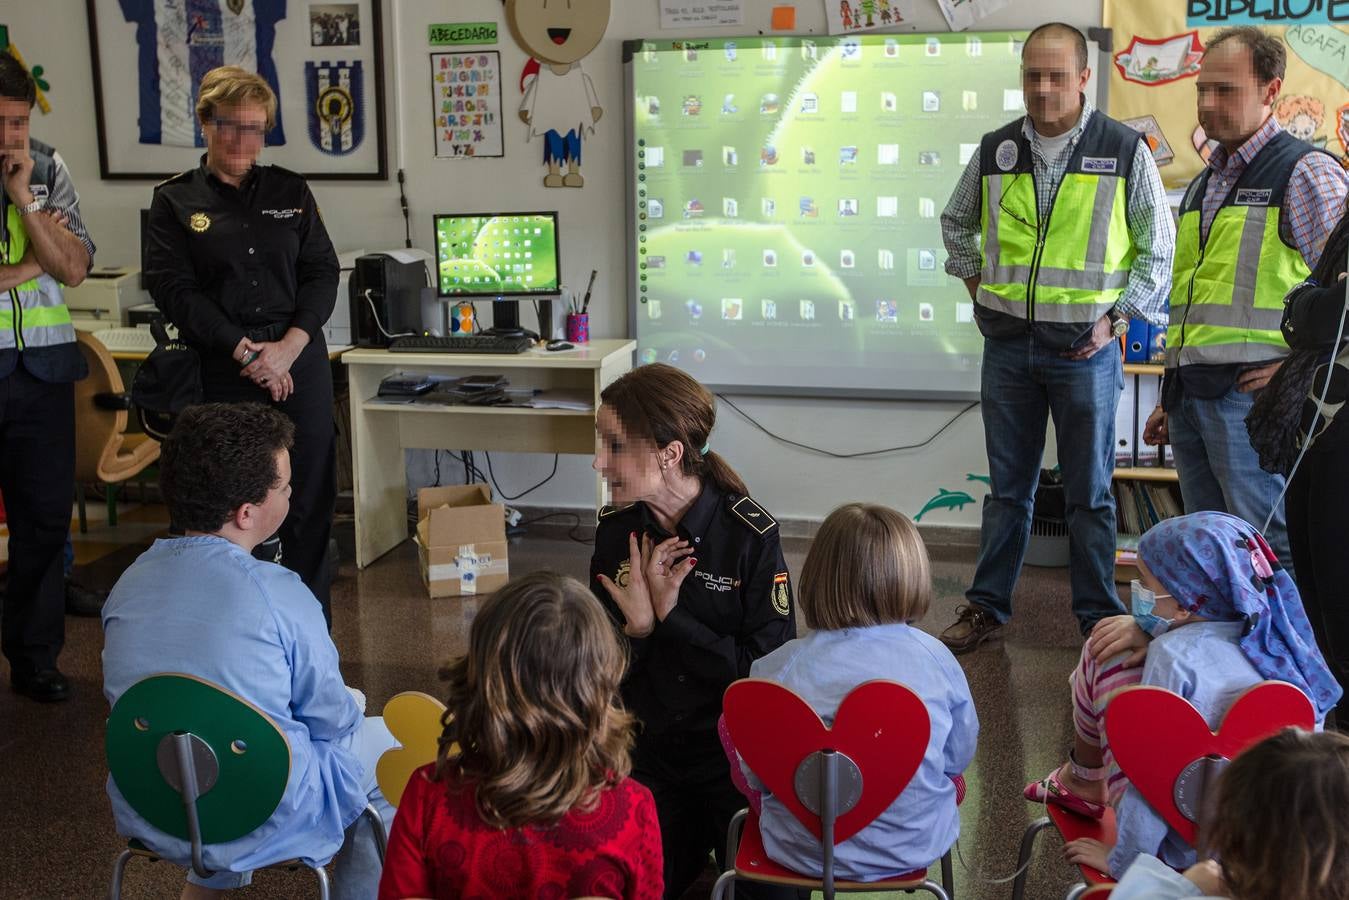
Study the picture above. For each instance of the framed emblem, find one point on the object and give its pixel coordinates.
(324, 61)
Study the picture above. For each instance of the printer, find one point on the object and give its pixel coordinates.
(103, 298)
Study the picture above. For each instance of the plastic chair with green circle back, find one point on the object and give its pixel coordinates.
(200, 764)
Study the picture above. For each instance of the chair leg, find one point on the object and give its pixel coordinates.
(1027, 847)
(725, 883)
(376, 830)
(118, 870)
(936, 890)
(733, 832)
(322, 875)
(84, 517)
(947, 876)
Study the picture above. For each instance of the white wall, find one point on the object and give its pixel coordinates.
(791, 483)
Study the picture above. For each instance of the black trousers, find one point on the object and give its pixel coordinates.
(690, 778)
(37, 480)
(313, 460)
(1317, 507)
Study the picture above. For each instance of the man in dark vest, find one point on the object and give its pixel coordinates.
(1252, 225)
(1076, 240)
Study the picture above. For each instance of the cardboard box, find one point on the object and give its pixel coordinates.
(461, 540)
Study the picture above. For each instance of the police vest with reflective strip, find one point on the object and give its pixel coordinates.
(1069, 271)
(36, 315)
(1227, 288)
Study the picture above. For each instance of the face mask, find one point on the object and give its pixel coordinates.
(1141, 603)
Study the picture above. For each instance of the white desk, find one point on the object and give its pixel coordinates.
(380, 432)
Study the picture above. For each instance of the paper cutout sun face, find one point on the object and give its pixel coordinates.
(560, 32)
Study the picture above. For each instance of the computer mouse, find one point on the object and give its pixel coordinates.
(559, 345)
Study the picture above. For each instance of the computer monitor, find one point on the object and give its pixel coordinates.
(504, 257)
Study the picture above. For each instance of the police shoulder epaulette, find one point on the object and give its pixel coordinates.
(174, 179)
(607, 511)
(753, 515)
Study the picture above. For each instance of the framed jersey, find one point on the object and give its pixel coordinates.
(324, 61)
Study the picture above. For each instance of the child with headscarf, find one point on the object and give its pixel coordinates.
(1214, 613)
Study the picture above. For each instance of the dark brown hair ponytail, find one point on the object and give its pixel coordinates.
(664, 404)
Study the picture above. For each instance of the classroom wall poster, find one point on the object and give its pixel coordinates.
(961, 14)
(701, 14)
(845, 16)
(1159, 45)
(466, 95)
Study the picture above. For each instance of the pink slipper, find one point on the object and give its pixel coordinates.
(1050, 790)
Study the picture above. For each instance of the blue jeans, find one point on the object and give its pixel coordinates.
(1220, 470)
(1023, 384)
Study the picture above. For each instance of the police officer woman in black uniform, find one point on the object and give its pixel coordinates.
(240, 262)
(692, 570)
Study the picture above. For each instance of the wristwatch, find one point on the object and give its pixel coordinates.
(31, 207)
(1118, 325)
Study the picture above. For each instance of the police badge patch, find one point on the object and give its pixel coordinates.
(336, 111)
(624, 573)
(1006, 154)
(781, 598)
(199, 222)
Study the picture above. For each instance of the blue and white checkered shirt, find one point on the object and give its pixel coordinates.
(1151, 227)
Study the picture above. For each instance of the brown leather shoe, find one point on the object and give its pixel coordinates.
(972, 627)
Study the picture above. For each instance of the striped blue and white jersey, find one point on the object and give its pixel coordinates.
(180, 41)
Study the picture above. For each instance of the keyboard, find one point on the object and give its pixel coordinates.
(126, 340)
(483, 344)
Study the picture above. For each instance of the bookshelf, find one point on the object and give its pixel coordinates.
(1143, 473)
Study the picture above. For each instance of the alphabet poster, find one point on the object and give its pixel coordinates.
(1158, 48)
(466, 93)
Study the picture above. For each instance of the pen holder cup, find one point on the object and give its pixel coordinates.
(578, 328)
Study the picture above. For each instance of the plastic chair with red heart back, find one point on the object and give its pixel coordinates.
(1094, 892)
(1165, 748)
(834, 780)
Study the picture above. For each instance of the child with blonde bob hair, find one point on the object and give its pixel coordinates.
(1278, 828)
(530, 794)
(866, 581)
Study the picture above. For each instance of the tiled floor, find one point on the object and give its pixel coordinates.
(58, 840)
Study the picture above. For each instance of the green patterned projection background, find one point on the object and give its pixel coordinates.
(786, 199)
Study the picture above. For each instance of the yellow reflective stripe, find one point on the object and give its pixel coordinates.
(1085, 260)
(45, 316)
(18, 238)
(1245, 271)
(1217, 344)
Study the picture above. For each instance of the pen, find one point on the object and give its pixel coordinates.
(585, 304)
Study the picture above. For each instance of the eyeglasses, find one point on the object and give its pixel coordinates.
(234, 129)
(1012, 215)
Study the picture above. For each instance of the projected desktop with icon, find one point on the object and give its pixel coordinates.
(502, 257)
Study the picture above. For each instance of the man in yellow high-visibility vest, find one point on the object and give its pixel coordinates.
(1077, 239)
(1252, 225)
(43, 245)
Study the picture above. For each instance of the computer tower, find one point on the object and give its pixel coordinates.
(385, 296)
